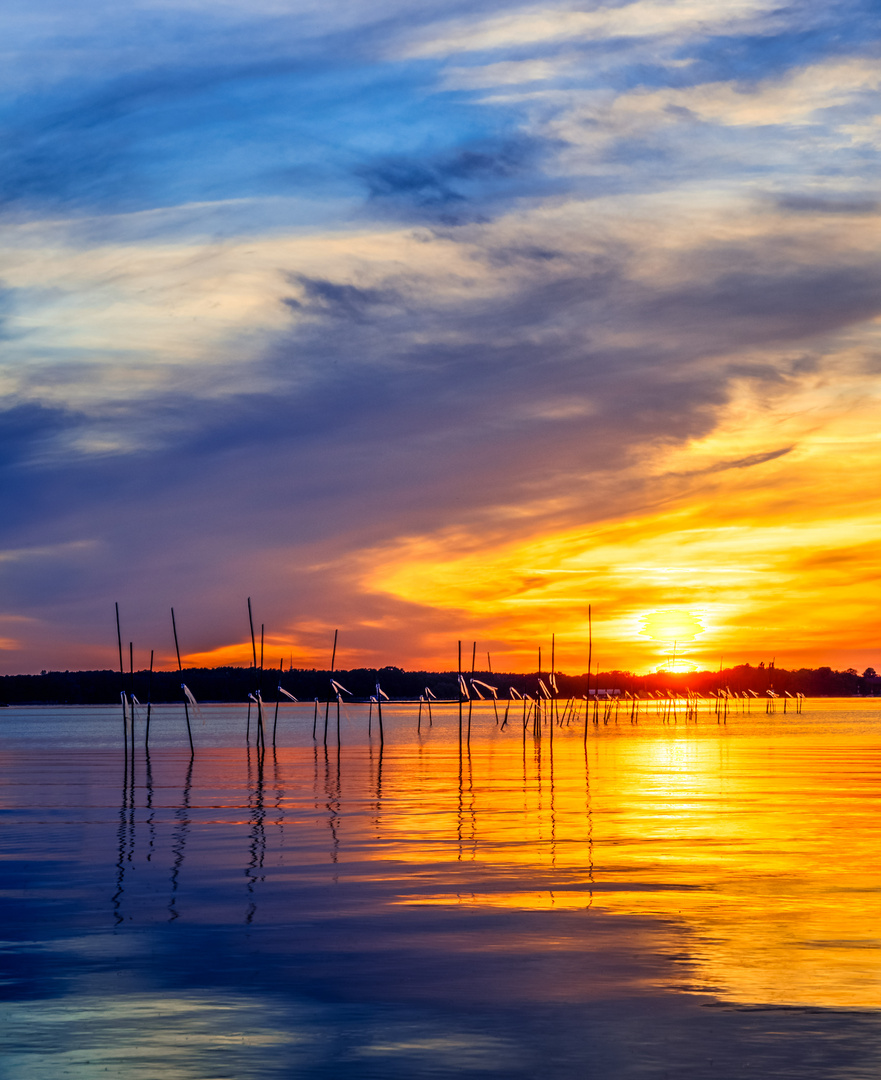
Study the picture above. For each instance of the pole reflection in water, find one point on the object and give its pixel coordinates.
(125, 832)
(588, 817)
(376, 786)
(257, 834)
(279, 796)
(179, 839)
(151, 814)
(466, 822)
(333, 799)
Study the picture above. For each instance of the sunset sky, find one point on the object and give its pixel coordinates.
(438, 321)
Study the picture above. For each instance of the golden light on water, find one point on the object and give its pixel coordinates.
(746, 845)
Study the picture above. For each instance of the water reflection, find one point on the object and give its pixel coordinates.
(333, 797)
(257, 831)
(179, 839)
(759, 849)
(151, 814)
(125, 833)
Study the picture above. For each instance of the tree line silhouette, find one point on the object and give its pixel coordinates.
(232, 684)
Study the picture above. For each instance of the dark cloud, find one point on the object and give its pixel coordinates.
(751, 460)
(492, 168)
(760, 303)
(329, 298)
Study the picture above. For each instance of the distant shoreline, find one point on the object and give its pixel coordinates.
(233, 684)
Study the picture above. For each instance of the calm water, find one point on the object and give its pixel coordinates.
(671, 900)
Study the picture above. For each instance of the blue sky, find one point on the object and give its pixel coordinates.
(293, 293)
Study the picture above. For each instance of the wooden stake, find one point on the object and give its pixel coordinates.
(149, 702)
(589, 661)
(459, 692)
(131, 672)
(277, 696)
(121, 679)
(254, 656)
(536, 721)
(332, 669)
(180, 668)
(470, 701)
(253, 643)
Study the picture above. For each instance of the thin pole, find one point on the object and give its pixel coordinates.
(180, 668)
(277, 696)
(261, 732)
(459, 691)
(254, 656)
(470, 702)
(552, 709)
(121, 679)
(131, 673)
(332, 669)
(554, 712)
(253, 644)
(536, 720)
(149, 700)
(589, 661)
(379, 713)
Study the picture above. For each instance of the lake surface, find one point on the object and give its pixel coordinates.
(663, 899)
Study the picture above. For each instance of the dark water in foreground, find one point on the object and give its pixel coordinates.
(688, 900)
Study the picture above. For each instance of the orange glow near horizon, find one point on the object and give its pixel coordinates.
(743, 564)
(712, 563)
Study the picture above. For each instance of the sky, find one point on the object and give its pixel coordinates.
(436, 322)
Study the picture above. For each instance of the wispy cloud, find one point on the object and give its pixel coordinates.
(642, 19)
